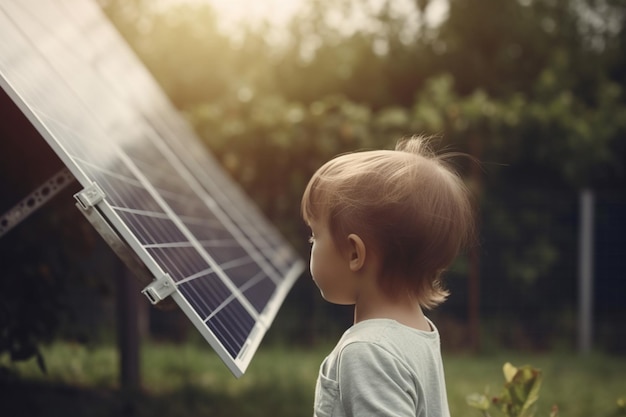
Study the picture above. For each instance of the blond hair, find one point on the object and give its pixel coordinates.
(408, 204)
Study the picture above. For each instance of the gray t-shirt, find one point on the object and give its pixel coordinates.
(383, 368)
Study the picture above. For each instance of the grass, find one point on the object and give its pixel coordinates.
(190, 380)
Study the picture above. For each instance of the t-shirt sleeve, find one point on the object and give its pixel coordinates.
(374, 382)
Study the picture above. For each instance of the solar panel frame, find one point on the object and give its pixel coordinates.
(276, 263)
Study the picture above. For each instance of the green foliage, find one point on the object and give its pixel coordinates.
(520, 394)
(521, 390)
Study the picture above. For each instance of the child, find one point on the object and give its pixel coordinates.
(385, 225)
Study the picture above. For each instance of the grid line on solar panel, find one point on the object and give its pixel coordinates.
(206, 294)
(79, 132)
(183, 244)
(188, 256)
(232, 263)
(99, 170)
(253, 281)
(181, 262)
(238, 327)
(164, 181)
(237, 334)
(196, 275)
(215, 209)
(219, 243)
(260, 293)
(195, 209)
(208, 308)
(210, 226)
(159, 215)
(125, 194)
(220, 307)
(150, 230)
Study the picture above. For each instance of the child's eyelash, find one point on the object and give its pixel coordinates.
(311, 239)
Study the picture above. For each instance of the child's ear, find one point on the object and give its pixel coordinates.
(357, 252)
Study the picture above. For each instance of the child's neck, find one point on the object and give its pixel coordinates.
(403, 310)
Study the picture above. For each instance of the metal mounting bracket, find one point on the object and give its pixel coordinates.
(90, 196)
(159, 289)
(35, 199)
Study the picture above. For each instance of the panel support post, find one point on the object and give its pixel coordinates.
(585, 272)
(473, 286)
(128, 338)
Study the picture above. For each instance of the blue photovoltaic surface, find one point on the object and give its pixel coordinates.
(76, 80)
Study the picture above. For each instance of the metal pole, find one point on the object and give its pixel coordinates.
(473, 285)
(585, 272)
(128, 329)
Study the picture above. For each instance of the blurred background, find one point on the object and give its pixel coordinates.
(534, 89)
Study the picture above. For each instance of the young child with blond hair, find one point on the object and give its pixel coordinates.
(385, 225)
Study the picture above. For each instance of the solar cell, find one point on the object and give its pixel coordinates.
(145, 171)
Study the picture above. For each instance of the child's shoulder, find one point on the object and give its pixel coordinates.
(385, 332)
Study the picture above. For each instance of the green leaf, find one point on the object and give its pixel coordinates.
(532, 384)
(509, 371)
(478, 401)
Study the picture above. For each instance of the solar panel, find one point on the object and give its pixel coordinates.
(145, 172)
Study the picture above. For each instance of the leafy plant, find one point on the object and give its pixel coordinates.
(519, 396)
